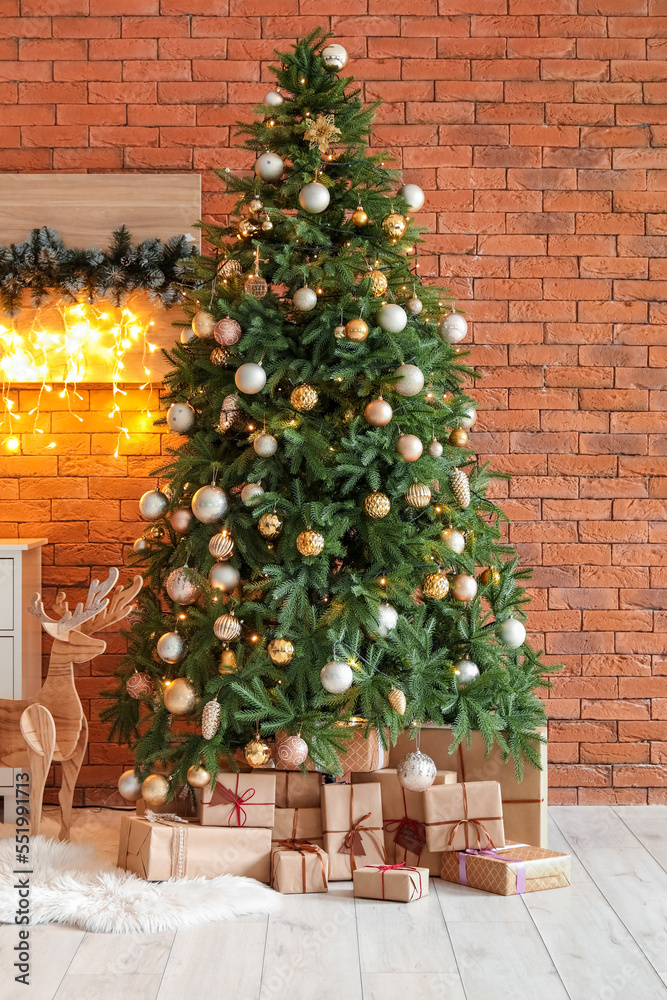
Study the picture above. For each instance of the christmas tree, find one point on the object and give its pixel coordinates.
(325, 550)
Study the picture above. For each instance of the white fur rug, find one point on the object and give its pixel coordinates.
(72, 884)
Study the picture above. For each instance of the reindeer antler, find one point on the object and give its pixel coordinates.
(119, 607)
(96, 602)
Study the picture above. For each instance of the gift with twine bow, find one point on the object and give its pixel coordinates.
(299, 866)
(401, 883)
(468, 814)
(239, 800)
(507, 871)
(295, 790)
(298, 824)
(352, 827)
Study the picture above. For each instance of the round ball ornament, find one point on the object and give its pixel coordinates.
(223, 576)
(410, 380)
(171, 648)
(198, 777)
(409, 447)
(379, 283)
(203, 324)
(416, 771)
(155, 532)
(454, 540)
(336, 676)
(335, 56)
(230, 412)
(250, 378)
(303, 398)
(464, 587)
(378, 412)
(256, 752)
(418, 496)
(394, 225)
(356, 330)
(392, 318)
(209, 504)
(256, 205)
(227, 627)
(415, 306)
(187, 335)
(181, 588)
(513, 633)
(469, 418)
(490, 576)
(314, 198)
(377, 505)
(227, 331)
(153, 505)
(414, 196)
(246, 227)
(435, 448)
(140, 545)
(265, 445)
(129, 786)
(270, 525)
(267, 225)
(310, 543)
(359, 217)
(458, 437)
(304, 299)
(281, 651)
(397, 700)
(250, 493)
(179, 696)
(269, 167)
(339, 332)
(180, 418)
(181, 519)
(274, 99)
(291, 751)
(219, 356)
(221, 546)
(452, 328)
(210, 719)
(387, 618)
(155, 790)
(256, 286)
(138, 684)
(465, 672)
(435, 586)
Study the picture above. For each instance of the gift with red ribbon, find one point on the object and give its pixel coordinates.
(507, 871)
(400, 883)
(239, 800)
(468, 814)
(299, 866)
(352, 827)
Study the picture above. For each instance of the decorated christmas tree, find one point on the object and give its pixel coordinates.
(325, 560)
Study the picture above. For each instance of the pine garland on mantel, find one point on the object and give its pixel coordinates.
(46, 267)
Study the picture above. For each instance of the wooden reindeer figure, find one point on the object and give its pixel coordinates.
(51, 725)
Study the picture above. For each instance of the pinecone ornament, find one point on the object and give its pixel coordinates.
(210, 719)
(460, 487)
(397, 701)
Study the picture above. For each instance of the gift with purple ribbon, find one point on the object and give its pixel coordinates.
(507, 871)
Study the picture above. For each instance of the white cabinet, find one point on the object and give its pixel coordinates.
(20, 632)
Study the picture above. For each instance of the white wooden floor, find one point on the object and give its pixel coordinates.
(603, 939)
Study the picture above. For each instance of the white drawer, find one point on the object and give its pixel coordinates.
(6, 595)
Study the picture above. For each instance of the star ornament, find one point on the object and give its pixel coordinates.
(321, 132)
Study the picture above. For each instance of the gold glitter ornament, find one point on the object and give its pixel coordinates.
(490, 575)
(210, 719)
(460, 487)
(394, 225)
(219, 356)
(435, 586)
(155, 790)
(303, 398)
(377, 505)
(198, 777)
(418, 495)
(398, 701)
(321, 133)
(270, 525)
(309, 542)
(281, 651)
(379, 283)
(256, 752)
(227, 627)
(256, 204)
(458, 437)
(179, 696)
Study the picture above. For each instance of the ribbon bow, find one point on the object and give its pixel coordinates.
(352, 842)
(494, 853)
(222, 794)
(305, 847)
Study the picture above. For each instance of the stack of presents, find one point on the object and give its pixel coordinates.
(475, 825)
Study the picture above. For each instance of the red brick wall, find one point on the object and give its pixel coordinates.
(538, 129)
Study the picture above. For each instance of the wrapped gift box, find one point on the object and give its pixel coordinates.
(464, 815)
(508, 871)
(297, 824)
(396, 882)
(403, 819)
(239, 800)
(352, 827)
(295, 790)
(166, 849)
(183, 804)
(298, 866)
(524, 803)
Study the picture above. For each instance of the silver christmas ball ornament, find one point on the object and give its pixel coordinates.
(410, 380)
(129, 786)
(221, 545)
(454, 540)
(140, 545)
(409, 447)
(336, 676)
(224, 576)
(465, 672)
(171, 648)
(187, 334)
(391, 317)
(468, 419)
(314, 198)
(387, 618)
(180, 418)
(269, 167)
(209, 504)
(414, 196)
(251, 493)
(203, 324)
(250, 378)
(181, 588)
(153, 505)
(416, 771)
(265, 445)
(305, 299)
(274, 99)
(513, 633)
(415, 306)
(464, 587)
(181, 519)
(452, 328)
(335, 56)
(435, 449)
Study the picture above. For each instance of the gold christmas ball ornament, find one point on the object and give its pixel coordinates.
(210, 719)
(219, 356)
(464, 587)
(356, 330)
(221, 546)
(378, 412)
(458, 438)
(155, 790)
(435, 586)
(256, 752)
(227, 662)
(409, 447)
(303, 398)
(227, 627)
(309, 542)
(198, 777)
(281, 651)
(223, 576)
(418, 495)
(377, 505)
(179, 696)
(359, 217)
(339, 332)
(270, 525)
(251, 493)
(203, 324)
(410, 380)
(490, 576)
(246, 227)
(379, 283)
(394, 225)
(256, 204)
(398, 701)
(181, 587)
(460, 487)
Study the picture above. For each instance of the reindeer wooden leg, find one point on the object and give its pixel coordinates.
(39, 732)
(71, 770)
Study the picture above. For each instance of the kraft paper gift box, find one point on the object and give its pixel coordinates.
(508, 871)
(299, 866)
(295, 790)
(468, 814)
(297, 824)
(403, 819)
(239, 800)
(166, 849)
(524, 802)
(396, 882)
(361, 753)
(352, 828)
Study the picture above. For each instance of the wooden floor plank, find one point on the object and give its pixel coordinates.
(92, 987)
(122, 954)
(415, 986)
(204, 958)
(52, 948)
(458, 902)
(649, 825)
(417, 926)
